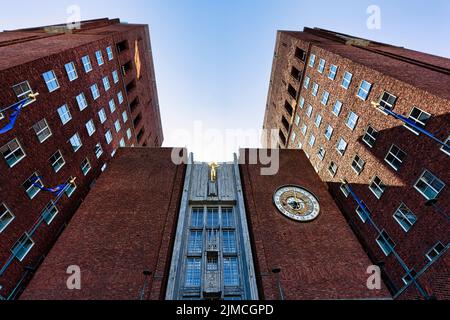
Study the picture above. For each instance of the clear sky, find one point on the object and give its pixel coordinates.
(213, 57)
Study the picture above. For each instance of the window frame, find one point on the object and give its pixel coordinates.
(395, 156)
(85, 164)
(429, 186)
(52, 163)
(78, 138)
(63, 116)
(11, 152)
(366, 91)
(347, 82)
(39, 130)
(87, 63)
(339, 143)
(5, 211)
(70, 70)
(401, 210)
(48, 80)
(333, 72)
(378, 186)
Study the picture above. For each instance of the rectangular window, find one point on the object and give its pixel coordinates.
(57, 161)
(321, 66)
(29, 187)
(337, 108)
(112, 106)
(81, 100)
(227, 218)
(333, 72)
(385, 242)
(309, 111)
(42, 130)
(321, 153)
(302, 102)
(212, 218)
(75, 142)
(362, 214)
(49, 213)
(120, 97)
(341, 146)
(115, 76)
(437, 250)
(212, 263)
(347, 80)
(352, 120)
(99, 56)
(117, 126)
(293, 136)
(108, 137)
(446, 147)
(229, 242)
(364, 90)
(315, 89)
(87, 64)
(358, 164)
(102, 115)
(6, 217)
(304, 129)
(345, 190)
(110, 54)
(64, 114)
(193, 272)
(429, 185)
(419, 117)
(307, 82)
(408, 278)
(90, 127)
(231, 272)
(329, 132)
(95, 92)
(395, 157)
(332, 169)
(377, 187)
(12, 152)
(122, 143)
(51, 80)
(197, 218)
(129, 134)
(370, 137)
(85, 166)
(104, 167)
(405, 217)
(318, 121)
(70, 190)
(195, 243)
(388, 100)
(312, 140)
(297, 120)
(312, 60)
(98, 150)
(325, 98)
(22, 90)
(124, 117)
(22, 247)
(71, 71)
(106, 83)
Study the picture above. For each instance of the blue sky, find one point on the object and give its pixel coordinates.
(213, 57)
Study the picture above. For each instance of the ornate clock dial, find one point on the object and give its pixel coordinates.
(297, 203)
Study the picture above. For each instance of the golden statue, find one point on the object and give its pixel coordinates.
(213, 169)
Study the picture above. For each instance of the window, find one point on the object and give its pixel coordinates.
(227, 218)
(42, 130)
(125, 117)
(115, 76)
(292, 92)
(321, 153)
(49, 213)
(229, 242)
(98, 150)
(113, 153)
(315, 89)
(231, 272)
(297, 120)
(12, 152)
(341, 146)
(437, 250)
(347, 80)
(329, 132)
(408, 278)
(122, 143)
(358, 164)
(293, 136)
(90, 127)
(300, 54)
(352, 120)
(57, 161)
(81, 100)
(70, 189)
(22, 90)
(212, 218)
(325, 97)
(332, 169)
(87, 64)
(304, 129)
(129, 134)
(362, 214)
(302, 102)
(307, 82)
(405, 217)
(345, 190)
(51, 81)
(29, 187)
(419, 117)
(117, 126)
(95, 92)
(102, 115)
(388, 100)
(64, 114)
(197, 218)
(321, 66)
(6, 217)
(75, 142)
(99, 56)
(312, 60)
(109, 53)
(309, 111)
(22, 247)
(120, 97)
(364, 90)
(333, 72)
(377, 187)
(108, 137)
(312, 140)
(429, 185)
(112, 106)
(446, 148)
(193, 272)
(337, 108)
(106, 83)
(318, 121)
(212, 263)
(385, 242)
(370, 137)
(395, 157)
(104, 167)
(71, 71)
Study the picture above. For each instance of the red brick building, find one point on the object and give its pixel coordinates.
(123, 229)
(320, 99)
(97, 92)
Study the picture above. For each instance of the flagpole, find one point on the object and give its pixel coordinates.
(30, 99)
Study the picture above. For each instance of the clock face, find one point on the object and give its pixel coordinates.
(297, 203)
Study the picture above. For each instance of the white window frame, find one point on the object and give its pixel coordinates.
(90, 127)
(57, 161)
(36, 189)
(38, 130)
(115, 76)
(129, 134)
(23, 93)
(309, 111)
(386, 253)
(23, 256)
(99, 57)
(333, 72)
(5, 213)
(102, 115)
(361, 214)
(120, 97)
(106, 83)
(386, 104)
(318, 121)
(87, 64)
(302, 103)
(370, 135)
(64, 114)
(321, 153)
(325, 98)
(112, 106)
(76, 136)
(109, 53)
(446, 149)
(350, 122)
(438, 254)
(71, 71)
(297, 120)
(85, 164)
(312, 60)
(377, 186)
(122, 143)
(312, 140)
(51, 205)
(315, 89)
(98, 150)
(337, 112)
(304, 129)
(108, 137)
(401, 210)
(339, 143)
(51, 79)
(331, 133)
(95, 91)
(364, 90)
(429, 186)
(117, 126)
(416, 120)
(357, 163)
(81, 101)
(307, 82)
(19, 146)
(321, 66)
(345, 81)
(395, 156)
